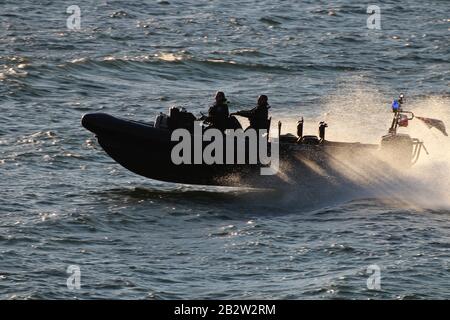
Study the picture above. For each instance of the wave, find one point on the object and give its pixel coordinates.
(165, 64)
(156, 61)
(253, 52)
(13, 72)
(185, 60)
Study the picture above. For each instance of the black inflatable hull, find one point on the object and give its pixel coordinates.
(146, 151)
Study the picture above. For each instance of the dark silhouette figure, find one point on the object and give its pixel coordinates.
(258, 116)
(218, 113)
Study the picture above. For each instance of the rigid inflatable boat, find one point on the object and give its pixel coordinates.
(146, 148)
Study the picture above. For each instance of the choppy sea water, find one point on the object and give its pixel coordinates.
(64, 202)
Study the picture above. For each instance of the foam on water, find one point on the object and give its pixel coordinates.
(361, 114)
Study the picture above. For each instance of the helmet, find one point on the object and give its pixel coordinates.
(262, 99)
(220, 96)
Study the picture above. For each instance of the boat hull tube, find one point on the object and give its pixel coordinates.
(146, 149)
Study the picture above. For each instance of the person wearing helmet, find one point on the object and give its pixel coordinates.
(218, 113)
(258, 116)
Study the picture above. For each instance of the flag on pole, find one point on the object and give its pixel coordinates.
(434, 123)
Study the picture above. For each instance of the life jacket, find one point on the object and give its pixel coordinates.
(219, 111)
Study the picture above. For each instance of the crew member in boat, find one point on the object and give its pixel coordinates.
(258, 116)
(218, 113)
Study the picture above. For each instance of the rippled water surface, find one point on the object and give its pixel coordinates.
(64, 202)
